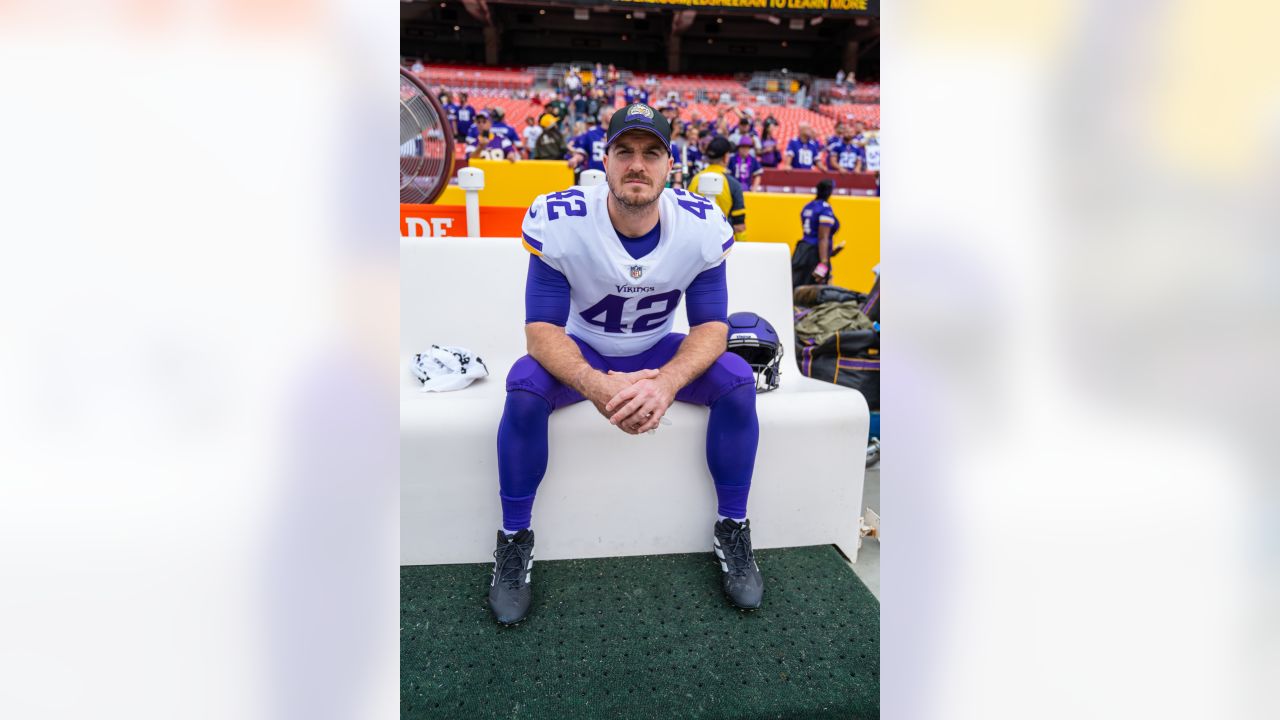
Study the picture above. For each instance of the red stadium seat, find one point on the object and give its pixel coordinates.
(476, 77)
(511, 88)
(866, 112)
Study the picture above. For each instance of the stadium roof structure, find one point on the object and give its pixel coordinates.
(781, 7)
(678, 36)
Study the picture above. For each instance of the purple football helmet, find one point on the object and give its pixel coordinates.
(753, 339)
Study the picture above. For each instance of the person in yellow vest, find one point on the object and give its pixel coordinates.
(730, 201)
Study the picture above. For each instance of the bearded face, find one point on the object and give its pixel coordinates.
(636, 168)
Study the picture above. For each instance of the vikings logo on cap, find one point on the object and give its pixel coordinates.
(639, 116)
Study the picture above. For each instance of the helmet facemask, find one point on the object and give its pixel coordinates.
(765, 359)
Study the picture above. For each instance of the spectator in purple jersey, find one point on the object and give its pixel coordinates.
(485, 144)
(589, 146)
(860, 133)
(744, 167)
(803, 151)
(770, 156)
(839, 134)
(450, 110)
(629, 94)
(845, 155)
(466, 116)
(693, 154)
(500, 126)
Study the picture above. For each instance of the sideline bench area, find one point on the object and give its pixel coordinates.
(807, 486)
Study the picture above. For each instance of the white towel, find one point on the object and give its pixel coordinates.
(444, 368)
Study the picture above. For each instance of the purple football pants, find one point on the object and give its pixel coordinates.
(733, 432)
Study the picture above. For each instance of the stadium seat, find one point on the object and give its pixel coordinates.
(866, 112)
(807, 486)
(863, 92)
(511, 88)
(476, 77)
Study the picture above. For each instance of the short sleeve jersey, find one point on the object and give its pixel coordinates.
(844, 154)
(804, 153)
(466, 116)
(693, 155)
(769, 155)
(620, 305)
(816, 214)
(492, 147)
(744, 167)
(591, 143)
(502, 128)
(531, 133)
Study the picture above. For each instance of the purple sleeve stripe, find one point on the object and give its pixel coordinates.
(871, 300)
(726, 245)
(537, 245)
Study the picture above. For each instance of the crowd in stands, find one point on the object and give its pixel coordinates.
(566, 122)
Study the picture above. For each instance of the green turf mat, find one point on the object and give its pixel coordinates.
(643, 637)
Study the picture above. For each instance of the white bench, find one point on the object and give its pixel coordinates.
(807, 485)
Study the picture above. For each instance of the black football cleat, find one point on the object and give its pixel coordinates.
(510, 590)
(739, 573)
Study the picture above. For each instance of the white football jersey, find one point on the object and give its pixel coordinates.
(620, 305)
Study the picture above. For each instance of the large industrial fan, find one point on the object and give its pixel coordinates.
(426, 143)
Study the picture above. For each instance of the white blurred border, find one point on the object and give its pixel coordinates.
(1079, 504)
(197, 440)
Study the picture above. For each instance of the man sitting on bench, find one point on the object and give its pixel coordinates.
(608, 268)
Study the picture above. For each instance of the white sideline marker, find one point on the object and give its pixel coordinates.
(471, 180)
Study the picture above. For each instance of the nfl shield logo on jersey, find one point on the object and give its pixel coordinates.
(636, 271)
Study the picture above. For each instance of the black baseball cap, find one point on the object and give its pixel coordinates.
(639, 116)
(719, 147)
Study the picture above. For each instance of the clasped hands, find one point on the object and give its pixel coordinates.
(634, 401)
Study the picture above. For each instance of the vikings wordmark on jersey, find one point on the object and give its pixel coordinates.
(621, 305)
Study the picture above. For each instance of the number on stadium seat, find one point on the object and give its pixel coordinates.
(571, 201)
